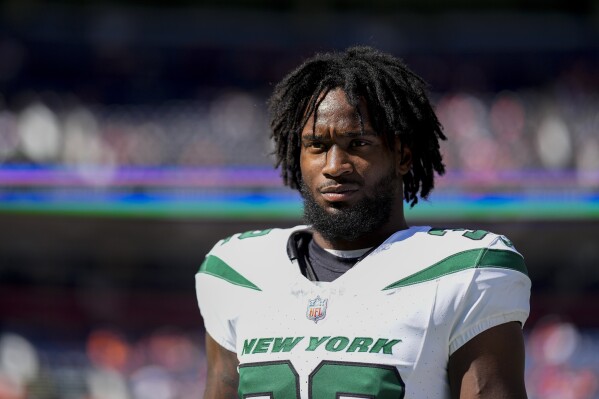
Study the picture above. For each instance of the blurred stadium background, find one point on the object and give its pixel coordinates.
(132, 137)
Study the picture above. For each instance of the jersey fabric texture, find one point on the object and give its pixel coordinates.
(383, 329)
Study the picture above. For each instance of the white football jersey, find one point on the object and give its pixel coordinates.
(384, 329)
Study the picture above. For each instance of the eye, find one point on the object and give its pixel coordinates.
(314, 145)
(359, 143)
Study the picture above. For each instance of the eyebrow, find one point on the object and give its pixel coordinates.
(351, 134)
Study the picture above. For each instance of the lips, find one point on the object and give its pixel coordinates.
(339, 192)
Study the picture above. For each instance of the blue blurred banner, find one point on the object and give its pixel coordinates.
(257, 193)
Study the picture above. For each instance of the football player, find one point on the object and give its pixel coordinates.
(356, 303)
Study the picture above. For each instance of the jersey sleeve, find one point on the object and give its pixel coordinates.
(495, 291)
(226, 283)
(216, 299)
(214, 314)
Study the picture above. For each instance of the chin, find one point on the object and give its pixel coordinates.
(335, 207)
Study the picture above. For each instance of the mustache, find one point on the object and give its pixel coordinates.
(341, 180)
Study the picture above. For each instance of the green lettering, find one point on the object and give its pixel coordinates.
(248, 345)
(225, 240)
(262, 345)
(472, 234)
(315, 342)
(385, 344)
(360, 344)
(476, 234)
(437, 232)
(285, 344)
(256, 233)
(337, 344)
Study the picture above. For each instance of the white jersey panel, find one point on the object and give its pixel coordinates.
(222, 300)
(386, 327)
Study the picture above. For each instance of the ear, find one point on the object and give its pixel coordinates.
(403, 157)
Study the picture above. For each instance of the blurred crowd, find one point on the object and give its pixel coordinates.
(170, 364)
(164, 364)
(116, 86)
(507, 131)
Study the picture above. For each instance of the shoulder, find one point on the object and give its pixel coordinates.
(463, 238)
(469, 248)
(254, 241)
(248, 259)
(480, 280)
(436, 253)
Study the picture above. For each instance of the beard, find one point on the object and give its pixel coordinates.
(350, 222)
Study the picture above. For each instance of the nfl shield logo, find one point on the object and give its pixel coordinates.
(317, 309)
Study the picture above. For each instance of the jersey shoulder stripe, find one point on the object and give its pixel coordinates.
(216, 267)
(469, 259)
(250, 259)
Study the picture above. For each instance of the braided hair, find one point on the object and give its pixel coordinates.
(397, 105)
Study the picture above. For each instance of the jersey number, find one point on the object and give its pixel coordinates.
(330, 380)
(472, 234)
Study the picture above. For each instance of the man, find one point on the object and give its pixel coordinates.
(356, 304)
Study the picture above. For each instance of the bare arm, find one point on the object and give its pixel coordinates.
(490, 365)
(223, 378)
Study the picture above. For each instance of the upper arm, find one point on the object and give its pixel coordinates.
(490, 365)
(223, 378)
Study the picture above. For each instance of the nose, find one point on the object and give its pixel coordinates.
(337, 162)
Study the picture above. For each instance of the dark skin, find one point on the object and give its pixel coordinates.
(223, 378)
(490, 365)
(340, 165)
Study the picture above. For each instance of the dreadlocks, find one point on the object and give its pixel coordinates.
(396, 101)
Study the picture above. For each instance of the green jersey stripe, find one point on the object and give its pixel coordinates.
(471, 259)
(216, 267)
